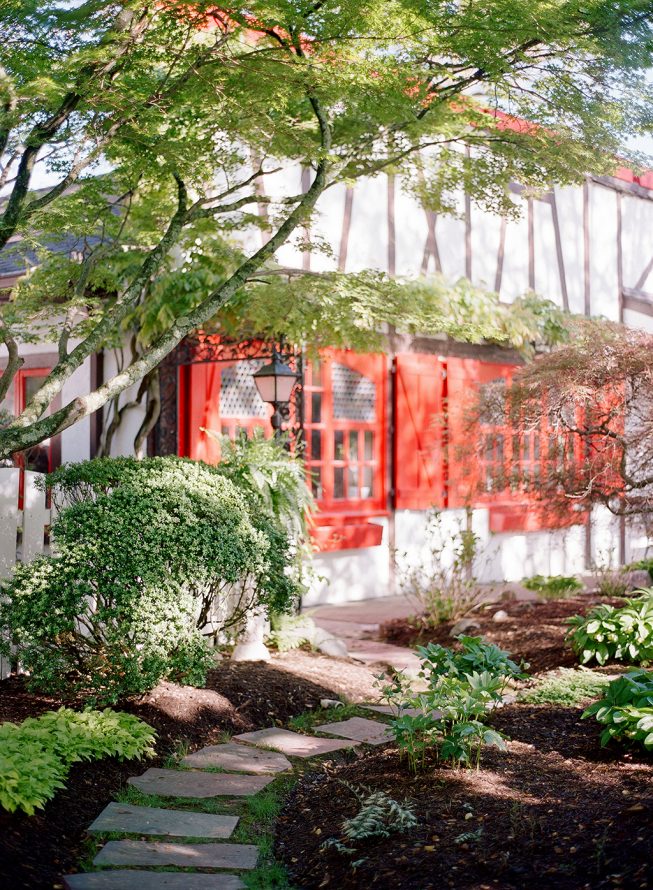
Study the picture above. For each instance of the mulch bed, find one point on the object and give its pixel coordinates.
(554, 811)
(533, 632)
(36, 851)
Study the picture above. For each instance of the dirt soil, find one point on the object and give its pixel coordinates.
(533, 632)
(554, 811)
(36, 851)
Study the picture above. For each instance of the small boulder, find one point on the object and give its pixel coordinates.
(464, 626)
(637, 578)
(501, 615)
(333, 646)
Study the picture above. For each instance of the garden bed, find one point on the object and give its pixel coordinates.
(533, 631)
(553, 811)
(35, 851)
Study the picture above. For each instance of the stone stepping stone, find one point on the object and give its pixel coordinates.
(128, 879)
(397, 657)
(156, 853)
(131, 819)
(360, 729)
(238, 758)
(194, 783)
(292, 743)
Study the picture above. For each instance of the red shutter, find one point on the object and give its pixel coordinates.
(419, 433)
(465, 376)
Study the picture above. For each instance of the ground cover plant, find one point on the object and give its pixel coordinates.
(553, 586)
(36, 755)
(149, 557)
(626, 710)
(566, 687)
(608, 633)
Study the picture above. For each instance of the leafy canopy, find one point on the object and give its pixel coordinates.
(161, 127)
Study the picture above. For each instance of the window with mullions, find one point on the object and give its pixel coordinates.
(344, 430)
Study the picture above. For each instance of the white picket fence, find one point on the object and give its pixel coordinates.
(22, 532)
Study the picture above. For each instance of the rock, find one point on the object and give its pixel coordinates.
(194, 783)
(293, 744)
(501, 615)
(131, 819)
(129, 852)
(464, 626)
(327, 644)
(637, 578)
(333, 647)
(360, 729)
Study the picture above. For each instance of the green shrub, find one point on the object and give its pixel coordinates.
(36, 755)
(148, 556)
(608, 634)
(553, 586)
(626, 711)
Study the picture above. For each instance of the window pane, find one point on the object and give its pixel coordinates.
(316, 373)
(367, 489)
(316, 445)
(353, 445)
(316, 407)
(354, 395)
(339, 445)
(352, 482)
(369, 445)
(339, 482)
(316, 484)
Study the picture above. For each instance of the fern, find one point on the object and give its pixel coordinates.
(379, 816)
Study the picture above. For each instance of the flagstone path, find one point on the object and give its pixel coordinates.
(160, 838)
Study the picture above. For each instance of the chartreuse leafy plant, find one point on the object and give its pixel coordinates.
(566, 687)
(553, 586)
(462, 688)
(150, 557)
(626, 710)
(36, 755)
(163, 127)
(608, 634)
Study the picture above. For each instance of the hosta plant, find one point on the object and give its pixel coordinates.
(36, 755)
(608, 634)
(626, 710)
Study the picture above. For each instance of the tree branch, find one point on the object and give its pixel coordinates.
(14, 363)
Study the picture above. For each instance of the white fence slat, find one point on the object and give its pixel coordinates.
(9, 480)
(35, 517)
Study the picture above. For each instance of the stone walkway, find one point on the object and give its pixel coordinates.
(161, 838)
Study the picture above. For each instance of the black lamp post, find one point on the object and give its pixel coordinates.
(275, 383)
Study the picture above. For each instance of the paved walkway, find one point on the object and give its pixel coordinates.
(163, 838)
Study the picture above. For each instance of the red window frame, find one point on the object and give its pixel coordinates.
(351, 453)
(20, 403)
